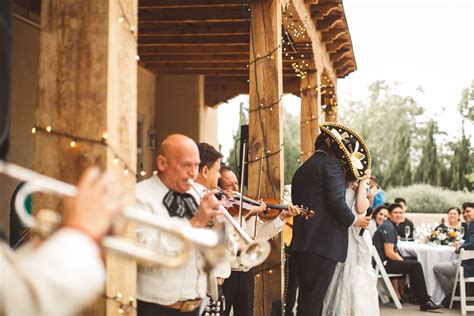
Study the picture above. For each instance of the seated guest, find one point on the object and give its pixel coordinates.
(379, 216)
(454, 221)
(446, 271)
(385, 240)
(405, 221)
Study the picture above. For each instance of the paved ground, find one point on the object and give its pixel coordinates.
(409, 309)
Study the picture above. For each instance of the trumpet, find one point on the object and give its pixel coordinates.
(201, 238)
(255, 252)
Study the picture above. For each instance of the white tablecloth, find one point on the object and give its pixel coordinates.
(428, 256)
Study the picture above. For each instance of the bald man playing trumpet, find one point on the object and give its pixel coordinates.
(173, 291)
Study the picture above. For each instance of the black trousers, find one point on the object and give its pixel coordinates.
(314, 276)
(238, 292)
(291, 283)
(150, 309)
(417, 281)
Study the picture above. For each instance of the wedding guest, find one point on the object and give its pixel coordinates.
(376, 194)
(405, 222)
(454, 222)
(379, 216)
(446, 271)
(386, 242)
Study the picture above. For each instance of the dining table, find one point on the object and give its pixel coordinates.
(428, 255)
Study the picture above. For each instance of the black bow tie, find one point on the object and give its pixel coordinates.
(180, 204)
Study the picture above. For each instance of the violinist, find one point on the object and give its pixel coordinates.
(239, 287)
(208, 174)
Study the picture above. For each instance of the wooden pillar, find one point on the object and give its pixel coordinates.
(265, 135)
(309, 114)
(329, 98)
(88, 87)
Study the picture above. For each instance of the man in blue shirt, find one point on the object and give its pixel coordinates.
(385, 241)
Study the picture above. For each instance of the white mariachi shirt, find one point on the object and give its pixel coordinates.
(161, 285)
(60, 277)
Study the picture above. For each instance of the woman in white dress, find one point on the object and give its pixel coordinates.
(353, 288)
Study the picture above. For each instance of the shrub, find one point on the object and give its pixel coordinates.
(424, 198)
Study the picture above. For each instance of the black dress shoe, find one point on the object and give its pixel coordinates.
(429, 306)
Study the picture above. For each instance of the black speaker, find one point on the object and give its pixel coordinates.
(244, 139)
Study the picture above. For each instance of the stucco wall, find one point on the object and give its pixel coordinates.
(180, 109)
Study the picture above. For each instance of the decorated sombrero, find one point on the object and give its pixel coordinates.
(348, 146)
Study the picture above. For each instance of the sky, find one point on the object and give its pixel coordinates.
(416, 43)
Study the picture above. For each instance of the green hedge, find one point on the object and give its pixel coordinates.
(424, 198)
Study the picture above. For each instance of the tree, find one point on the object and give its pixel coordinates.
(381, 120)
(428, 170)
(399, 169)
(461, 164)
(291, 142)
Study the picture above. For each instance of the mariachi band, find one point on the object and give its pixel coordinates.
(198, 238)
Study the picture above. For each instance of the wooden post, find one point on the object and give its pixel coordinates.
(329, 98)
(265, 134)
(309, 114)
(88, 87)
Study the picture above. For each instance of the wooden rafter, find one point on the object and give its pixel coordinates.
(199, 14)
(320, 11)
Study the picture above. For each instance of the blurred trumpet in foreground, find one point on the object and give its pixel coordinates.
(46, 221)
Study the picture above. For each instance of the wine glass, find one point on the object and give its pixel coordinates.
(461, 230)
(407, 232)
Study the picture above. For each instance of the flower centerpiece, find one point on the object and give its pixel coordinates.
(445, 236)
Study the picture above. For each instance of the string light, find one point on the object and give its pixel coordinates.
(75, 139)
(131, 27)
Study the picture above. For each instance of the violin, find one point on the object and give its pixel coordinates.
(270, 213)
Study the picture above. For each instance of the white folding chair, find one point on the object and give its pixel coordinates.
(382, 273)
(463, 255)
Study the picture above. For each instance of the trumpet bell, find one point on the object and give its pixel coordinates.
(255, 253)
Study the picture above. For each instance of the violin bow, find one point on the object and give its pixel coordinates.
(242, 172)
(259, 191)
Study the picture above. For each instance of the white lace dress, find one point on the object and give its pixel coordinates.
(353, 287)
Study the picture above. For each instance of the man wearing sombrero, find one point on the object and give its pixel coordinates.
(320, 184)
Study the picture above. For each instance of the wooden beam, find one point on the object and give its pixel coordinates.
(338, 55)
(215, 58)
(192, 49)
(186, 40)
(88, 86)
(329, 23)
(160, 4)
(211, 72)
(336, 45)
(334, 34)
(187, 15)
(224, 65)
(198, 28)
(309, 125)
(320, 11)
(266, 135)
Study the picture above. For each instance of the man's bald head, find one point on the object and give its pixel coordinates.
(176, 144)
(177, 162)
